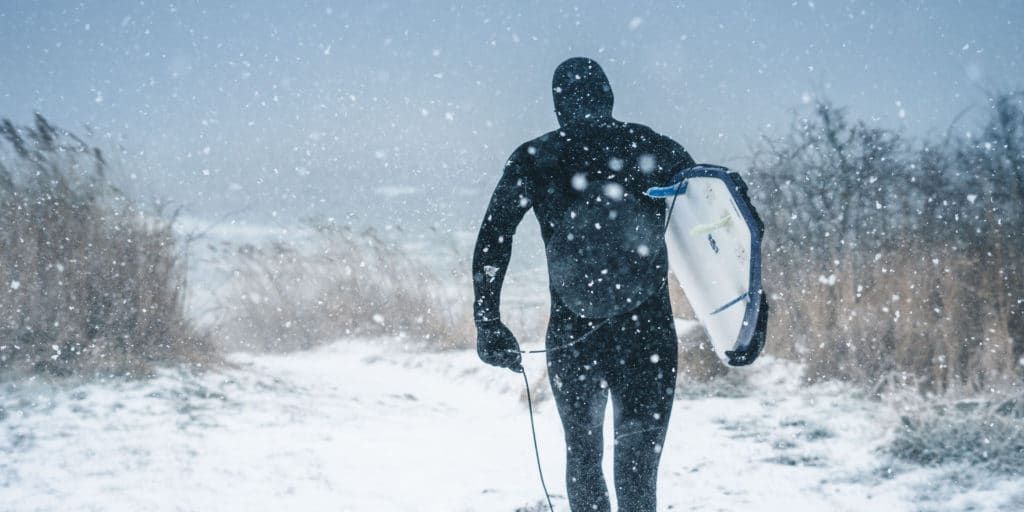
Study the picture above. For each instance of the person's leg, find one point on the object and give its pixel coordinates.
(642, 387)
(581, 395)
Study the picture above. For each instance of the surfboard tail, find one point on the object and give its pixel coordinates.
(748, 354)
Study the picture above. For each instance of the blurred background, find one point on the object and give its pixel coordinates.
(404, 112)
(222, 222)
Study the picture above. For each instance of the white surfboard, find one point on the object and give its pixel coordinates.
(714, 249)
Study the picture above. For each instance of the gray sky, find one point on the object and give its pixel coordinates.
(406, 111)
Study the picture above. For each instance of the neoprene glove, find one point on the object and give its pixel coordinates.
(496, 346)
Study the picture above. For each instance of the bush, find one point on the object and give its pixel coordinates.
(89, 284)
(895, 264)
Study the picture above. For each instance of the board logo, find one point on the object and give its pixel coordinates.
(714, 244)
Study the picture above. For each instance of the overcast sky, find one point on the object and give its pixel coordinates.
(406, 111)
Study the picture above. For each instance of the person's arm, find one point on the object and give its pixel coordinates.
(509, 202)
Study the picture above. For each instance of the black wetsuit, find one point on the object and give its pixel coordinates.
(607, 268)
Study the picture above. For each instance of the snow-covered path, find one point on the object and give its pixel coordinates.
(371, 426)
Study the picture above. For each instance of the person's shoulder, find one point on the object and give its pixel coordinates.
(533, 150)
(639, 128)
(668, 154)
(645, 133)
(669, 147)
(545, 141)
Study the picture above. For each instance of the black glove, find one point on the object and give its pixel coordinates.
(496, 345)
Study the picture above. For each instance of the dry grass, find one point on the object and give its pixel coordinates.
(89, 284)
(909, 320)
(986, 432)
(341, 283)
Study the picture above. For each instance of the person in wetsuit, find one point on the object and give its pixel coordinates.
(611, 330)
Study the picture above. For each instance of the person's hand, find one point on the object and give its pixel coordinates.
(496, 346)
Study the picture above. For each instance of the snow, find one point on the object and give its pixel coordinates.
(378, 425)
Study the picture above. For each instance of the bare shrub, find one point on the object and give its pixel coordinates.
(89, 284)
(891, 264)
(340, 282)
(986, 432)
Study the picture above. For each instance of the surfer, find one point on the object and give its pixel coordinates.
(610, 331)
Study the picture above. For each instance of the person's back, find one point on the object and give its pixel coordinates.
(611, 327)
(603, 237)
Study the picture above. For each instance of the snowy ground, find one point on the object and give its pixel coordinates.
(364, 425)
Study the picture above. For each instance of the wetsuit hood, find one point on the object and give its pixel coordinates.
(581, 91)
